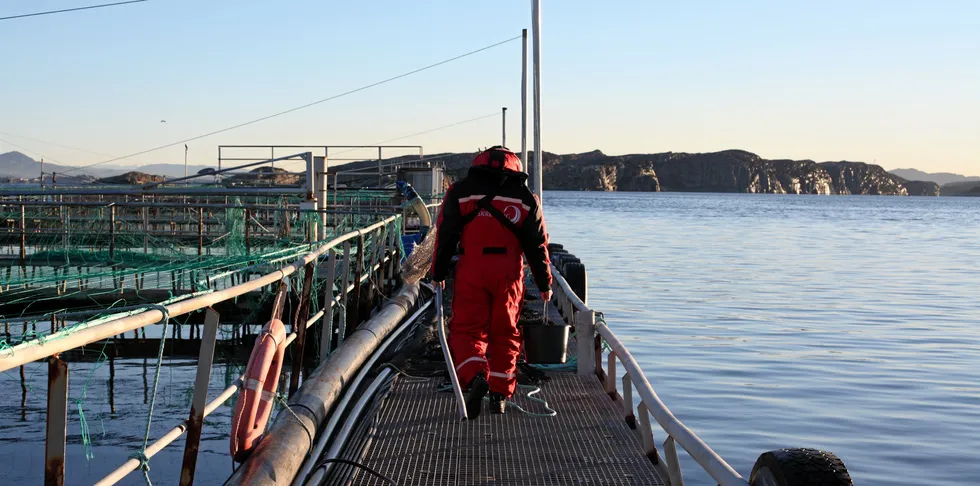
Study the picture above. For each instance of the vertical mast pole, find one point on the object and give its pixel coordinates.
(503, 128)
(524, 101)
(536, 34)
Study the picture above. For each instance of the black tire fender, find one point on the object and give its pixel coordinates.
(799, 467)
(566, 261)
(577, 278)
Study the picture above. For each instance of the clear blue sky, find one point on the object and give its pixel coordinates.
(889, 80)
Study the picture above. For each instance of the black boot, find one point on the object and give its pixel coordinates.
(474, 400)
(497, 403)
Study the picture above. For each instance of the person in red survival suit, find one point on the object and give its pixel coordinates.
(494, 219)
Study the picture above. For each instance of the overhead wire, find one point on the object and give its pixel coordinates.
(496, 113)
(55, 144)
(462, 122)
(89, 7)
(35, 152)
(307, 105)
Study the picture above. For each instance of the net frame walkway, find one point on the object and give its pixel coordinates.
(418, 439)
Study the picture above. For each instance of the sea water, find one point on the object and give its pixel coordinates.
(847, 323)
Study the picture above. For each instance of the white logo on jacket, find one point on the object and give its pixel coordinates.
(513, 213)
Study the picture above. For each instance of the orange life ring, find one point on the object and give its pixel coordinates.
(254, 404)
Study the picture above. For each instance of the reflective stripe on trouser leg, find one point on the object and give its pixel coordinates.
(469, 324)
(505, 338)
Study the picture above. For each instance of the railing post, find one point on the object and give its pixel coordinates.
(326, 329)
(248, 231)
(646, 434)
(628, 401)
(371, 290)
(673, 465)
(54, 446)
(376, 275)
(344, 301)
(391, 246)
(299, 326)
(112, 231)
(611, 376)
(597, 351)
(23, 236)
(353, 318)
(200, 231)
(196, 420)
(584, 331)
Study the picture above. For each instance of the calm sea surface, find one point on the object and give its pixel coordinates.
(845, 323)
(848, 323)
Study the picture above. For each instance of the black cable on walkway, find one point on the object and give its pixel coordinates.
(49, 12)
(324, 100)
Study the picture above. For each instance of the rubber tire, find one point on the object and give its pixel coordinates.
(565, 262)
(555, 246)
(577, 278)
(799, 467)
(557, 258)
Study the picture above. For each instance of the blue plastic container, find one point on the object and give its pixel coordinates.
(409, 242)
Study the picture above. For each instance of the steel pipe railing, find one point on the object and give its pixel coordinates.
(590, 335)
(81, 335)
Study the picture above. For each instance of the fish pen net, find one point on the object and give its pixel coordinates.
(72, 262)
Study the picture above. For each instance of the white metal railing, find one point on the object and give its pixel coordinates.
(61, 341)
(375, 263)
(591, 333)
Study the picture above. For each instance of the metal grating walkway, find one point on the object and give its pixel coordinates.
(419, 440)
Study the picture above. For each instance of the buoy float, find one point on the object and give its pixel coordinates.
(254, 404)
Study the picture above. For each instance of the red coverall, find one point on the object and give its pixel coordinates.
(494, 219)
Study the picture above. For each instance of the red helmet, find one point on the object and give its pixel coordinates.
(499, 158)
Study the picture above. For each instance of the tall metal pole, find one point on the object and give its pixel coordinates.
(536, 33)
(524, 101)
(185, 160)
(503, 136)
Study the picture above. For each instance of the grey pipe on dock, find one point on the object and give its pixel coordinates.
(277, 459)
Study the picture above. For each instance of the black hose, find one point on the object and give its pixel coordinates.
(357, 465)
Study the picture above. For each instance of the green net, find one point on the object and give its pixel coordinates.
(71, 262)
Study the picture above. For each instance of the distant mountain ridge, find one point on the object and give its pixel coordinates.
(18, 165)
(725, 171)
(941, 178)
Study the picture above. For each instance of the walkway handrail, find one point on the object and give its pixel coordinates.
(712, 463)
(570, 305)
(70, 338)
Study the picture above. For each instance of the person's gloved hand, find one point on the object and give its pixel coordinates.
(546, 296)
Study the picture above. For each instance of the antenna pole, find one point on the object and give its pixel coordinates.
(524, 101)
(503, 136)
(185, 160)
(536, 33)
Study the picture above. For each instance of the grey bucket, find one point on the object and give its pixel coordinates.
(546, 344)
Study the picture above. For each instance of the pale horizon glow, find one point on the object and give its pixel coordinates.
(887, 82)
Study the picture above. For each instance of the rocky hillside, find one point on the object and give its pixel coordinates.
(963, 188)
(132, 178)
(941, 178)
(921, 188)
(727, 171)
(266, 176)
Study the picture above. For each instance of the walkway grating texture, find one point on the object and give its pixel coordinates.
(418, 439)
